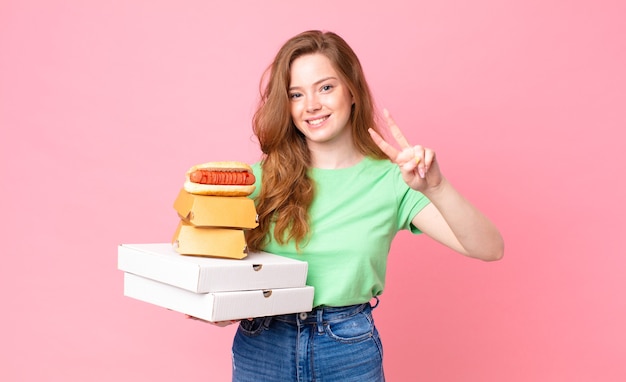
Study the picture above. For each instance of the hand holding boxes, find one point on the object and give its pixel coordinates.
(206, 271)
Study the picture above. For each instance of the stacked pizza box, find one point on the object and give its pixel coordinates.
(206, 270)
(213, 288)
(213, 225)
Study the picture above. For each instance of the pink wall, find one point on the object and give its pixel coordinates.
(104, 105)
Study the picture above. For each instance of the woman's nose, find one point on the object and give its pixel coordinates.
(313, 104)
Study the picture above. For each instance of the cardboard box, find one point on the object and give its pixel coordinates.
(216, 211)
(259, 270)
(209, 241)
(219, 306)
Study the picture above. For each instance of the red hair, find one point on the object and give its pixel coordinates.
(286, 189)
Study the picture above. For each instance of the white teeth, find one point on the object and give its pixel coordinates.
(317, 121)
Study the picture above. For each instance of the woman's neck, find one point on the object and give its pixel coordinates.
(334, 159)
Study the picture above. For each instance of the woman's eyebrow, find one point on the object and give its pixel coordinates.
(315, 83)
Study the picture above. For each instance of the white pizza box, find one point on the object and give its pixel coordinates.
(220, 306)
(198, 274)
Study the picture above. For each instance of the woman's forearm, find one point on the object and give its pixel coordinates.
(478, 236)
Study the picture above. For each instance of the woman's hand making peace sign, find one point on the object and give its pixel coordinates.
(449, 219)
(418, 164)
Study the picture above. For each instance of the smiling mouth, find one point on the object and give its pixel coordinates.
(318, 121)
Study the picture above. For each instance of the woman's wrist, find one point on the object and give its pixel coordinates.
(438, 191)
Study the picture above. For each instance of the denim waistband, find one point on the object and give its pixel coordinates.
(325, 314)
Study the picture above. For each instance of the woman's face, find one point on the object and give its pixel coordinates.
(320, 101)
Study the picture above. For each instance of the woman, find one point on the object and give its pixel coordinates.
(332, 192)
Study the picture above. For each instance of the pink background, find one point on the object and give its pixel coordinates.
(105, 104)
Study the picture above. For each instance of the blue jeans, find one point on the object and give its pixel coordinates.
(324, 345)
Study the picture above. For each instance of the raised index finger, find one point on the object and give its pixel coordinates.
(395, 130)
(388, 149)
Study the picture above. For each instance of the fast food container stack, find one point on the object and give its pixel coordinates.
(213, 226)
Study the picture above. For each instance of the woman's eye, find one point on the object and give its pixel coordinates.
(326, 88)
(295, 95)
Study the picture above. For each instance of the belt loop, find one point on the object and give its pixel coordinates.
(320, 320)
(267, 321)
(377, 302)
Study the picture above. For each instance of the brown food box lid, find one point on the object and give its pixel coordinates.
(209, 241)
(216, 211)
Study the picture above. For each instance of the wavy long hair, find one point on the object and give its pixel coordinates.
(286, 189)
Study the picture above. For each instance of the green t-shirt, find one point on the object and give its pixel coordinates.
(355, 215)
